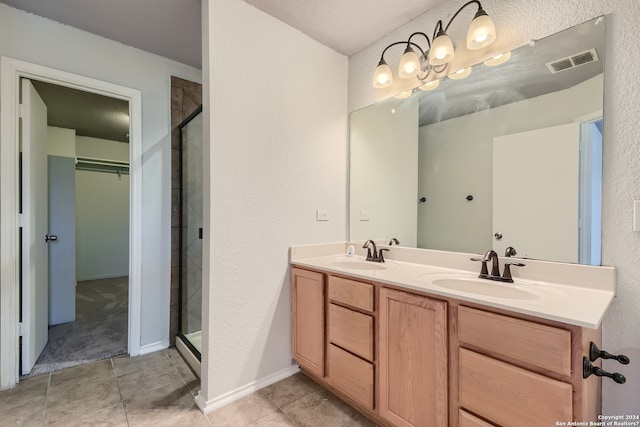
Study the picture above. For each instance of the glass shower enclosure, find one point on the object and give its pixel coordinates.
(191, 194)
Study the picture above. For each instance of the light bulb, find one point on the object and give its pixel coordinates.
(441, 50)
(409, 64)
(382, 77)
(481, 32)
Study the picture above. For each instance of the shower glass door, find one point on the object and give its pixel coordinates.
(191, 193)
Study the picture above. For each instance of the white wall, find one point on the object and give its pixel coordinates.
(384, 172)
(62, 142)
(102, 213)
(41, 41)
(102, 148)
(275, 150)
(458, 152)
(518, 22)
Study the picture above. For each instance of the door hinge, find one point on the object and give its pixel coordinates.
(22, 329)
(21, 110)
(20, 220)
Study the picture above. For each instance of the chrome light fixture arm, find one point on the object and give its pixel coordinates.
(480, 10)
(440, 51)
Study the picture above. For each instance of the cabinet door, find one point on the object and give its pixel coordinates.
(307, 329)
(413, 359)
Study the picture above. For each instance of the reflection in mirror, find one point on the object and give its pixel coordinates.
(510, 156)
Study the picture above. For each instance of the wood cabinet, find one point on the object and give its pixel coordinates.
(307, 326)
(515, 372)
(404, 358)
(350, 339)
(413, 359)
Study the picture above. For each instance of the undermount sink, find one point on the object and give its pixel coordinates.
(358, 265)
(484, 287)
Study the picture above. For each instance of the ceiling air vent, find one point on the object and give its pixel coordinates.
(572, 61)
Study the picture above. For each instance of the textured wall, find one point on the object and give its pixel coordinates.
(517, 22)
(276, 121)
(41, 41)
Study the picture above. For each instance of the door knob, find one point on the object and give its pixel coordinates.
(498, 236)
(50, 237)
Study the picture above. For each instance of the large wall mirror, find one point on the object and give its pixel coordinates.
(510, 156)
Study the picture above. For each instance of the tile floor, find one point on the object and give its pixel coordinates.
(157, 390)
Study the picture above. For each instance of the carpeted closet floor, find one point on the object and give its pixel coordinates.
(99, 331)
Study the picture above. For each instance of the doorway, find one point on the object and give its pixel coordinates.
(12, 71)
(88, 223)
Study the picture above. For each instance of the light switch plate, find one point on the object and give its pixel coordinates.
(322, 215)
(636, 215)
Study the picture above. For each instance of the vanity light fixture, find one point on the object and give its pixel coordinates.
(430, 85)
(439, 54)
(498, 59)
(404, 95)
(460, 74)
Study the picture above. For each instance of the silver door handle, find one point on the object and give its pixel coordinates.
(50, 237)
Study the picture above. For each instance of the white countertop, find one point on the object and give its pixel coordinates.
(583, 306)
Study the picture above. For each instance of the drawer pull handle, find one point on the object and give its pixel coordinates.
(595, 352)
(588, 369)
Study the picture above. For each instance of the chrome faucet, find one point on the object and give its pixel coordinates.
(376, 255)
(492, 256)
(510, 251)
(371, 256)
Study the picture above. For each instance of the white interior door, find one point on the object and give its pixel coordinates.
(35, 261)
(62, 251)
(536, 193)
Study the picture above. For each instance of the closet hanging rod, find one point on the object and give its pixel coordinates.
(104, 162)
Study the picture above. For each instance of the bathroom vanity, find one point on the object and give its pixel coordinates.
(426, 343)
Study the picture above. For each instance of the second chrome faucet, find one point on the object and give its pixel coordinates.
(492, 256)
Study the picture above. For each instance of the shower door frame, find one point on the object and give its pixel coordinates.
(181, 335)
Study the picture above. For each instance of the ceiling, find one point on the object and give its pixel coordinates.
(88, 113)
(172, 29)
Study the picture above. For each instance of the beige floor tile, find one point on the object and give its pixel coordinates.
(242, 412)
(286, 391)
(274, 419)
(160, 405)
(27, 391)
(181, 366)
(74, 397)
(144, 380)
(81, 389)
(319, 409)
(361, 421)
(126, 365)
(29, 414)
(109, 416)
(189, 418)
(93, 371)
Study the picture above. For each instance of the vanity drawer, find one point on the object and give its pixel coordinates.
(351, 292)
(351, 330)
(351, 375)
(510, 396)
(465, 419)
(543, 346)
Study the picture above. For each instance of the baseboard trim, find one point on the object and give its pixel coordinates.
(217, 402)
(153, 347)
